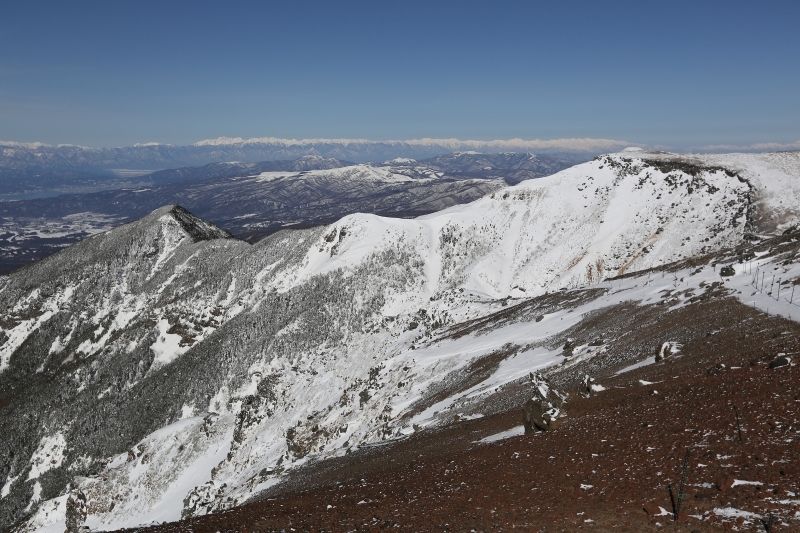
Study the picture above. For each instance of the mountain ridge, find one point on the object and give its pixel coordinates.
(312, 342)
(253, 200)
(80, 165)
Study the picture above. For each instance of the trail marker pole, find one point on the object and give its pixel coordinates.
(680, 487)
(738, 425)
(792, 298)
(672, 499)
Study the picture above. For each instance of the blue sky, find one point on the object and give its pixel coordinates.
(677, 74)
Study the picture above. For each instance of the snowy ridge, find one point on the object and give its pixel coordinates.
(777, 189)
(356, 173)
(314, 342)
(581, 225)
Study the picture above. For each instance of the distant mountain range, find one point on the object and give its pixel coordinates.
(31, 167)
(252, 200)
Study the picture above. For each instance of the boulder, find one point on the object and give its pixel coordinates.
(666, 350)
(590, 386)
(544, 411)
(569, 346)
(779, 362)
(587, 386)
(717, 369)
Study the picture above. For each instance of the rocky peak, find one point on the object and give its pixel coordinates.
(196, 228)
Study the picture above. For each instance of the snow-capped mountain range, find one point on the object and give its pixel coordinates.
(155, 155)
(164, 369)
(253, 200)
(31, 167)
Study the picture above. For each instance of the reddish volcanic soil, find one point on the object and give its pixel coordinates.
(615, 456)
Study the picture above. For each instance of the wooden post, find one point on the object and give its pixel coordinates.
(738, 425)
(680, 487)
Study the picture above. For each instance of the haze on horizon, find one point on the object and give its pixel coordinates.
(718, 75)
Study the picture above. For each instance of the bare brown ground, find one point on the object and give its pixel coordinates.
(617, 452)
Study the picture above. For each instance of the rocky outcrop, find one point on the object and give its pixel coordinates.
(667, 350)
(544, 411)
(76, 511)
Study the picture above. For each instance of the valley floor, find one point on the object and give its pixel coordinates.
(608, 468)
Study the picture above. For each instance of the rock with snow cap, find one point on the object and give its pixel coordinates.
(667, 350)
(544, 411)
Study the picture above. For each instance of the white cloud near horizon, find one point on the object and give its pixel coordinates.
(757, 147)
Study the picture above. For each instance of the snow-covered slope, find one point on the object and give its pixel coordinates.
(584, 224)
(165, 360)
(775, 178)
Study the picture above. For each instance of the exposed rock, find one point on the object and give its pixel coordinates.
(544, 411)
(779, 362)
(591, 386)
(569, 346)
(727, 271)
(668, 349)
(587, 386)
(76, 511)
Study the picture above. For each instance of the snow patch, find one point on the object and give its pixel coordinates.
(167, 346)
(513, 432)
(48, 455)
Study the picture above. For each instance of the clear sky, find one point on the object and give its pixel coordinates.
(671, 73)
